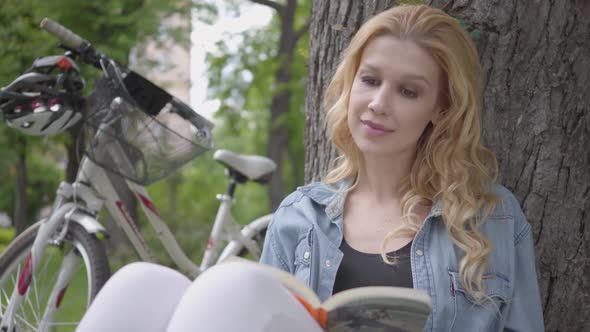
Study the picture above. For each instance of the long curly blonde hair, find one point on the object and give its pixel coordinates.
(451, 166)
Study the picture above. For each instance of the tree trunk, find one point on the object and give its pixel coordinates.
(333, 23)
(278, 139)
(279, 107)
(536, 57)
(21, 218)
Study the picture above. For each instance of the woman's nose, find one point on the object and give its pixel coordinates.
(380, 101)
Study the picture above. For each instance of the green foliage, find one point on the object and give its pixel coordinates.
(6, 235)
(113, 26)
(242, 77)
(187, 201)
(20, 45)
(44, 176)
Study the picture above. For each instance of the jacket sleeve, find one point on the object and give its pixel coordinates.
(272, 252)
(283, 233)
(525, 312)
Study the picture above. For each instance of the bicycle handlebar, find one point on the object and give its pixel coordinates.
(67, 37)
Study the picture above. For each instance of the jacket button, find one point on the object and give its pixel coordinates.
(419, 252)
(328, 263)
(306, 256)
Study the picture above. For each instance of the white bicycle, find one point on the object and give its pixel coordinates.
(128, 123)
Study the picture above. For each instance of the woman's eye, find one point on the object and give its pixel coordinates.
(408, 93)
(369, 80)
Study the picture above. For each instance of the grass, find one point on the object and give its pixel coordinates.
(6, 235)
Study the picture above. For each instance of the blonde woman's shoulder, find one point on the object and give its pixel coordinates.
(507, 204)
(508, 208)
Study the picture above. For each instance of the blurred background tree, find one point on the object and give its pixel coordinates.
(33, 166)
(257, 75)
(263, 92)
(246, 74)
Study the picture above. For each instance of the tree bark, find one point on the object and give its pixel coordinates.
(278, 139)
(535, 56)
(21, 217)
(333, 23)
(279, 106)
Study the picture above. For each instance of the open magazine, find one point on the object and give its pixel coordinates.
(374, 309)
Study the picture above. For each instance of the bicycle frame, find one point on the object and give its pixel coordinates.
(93, 189)
(224, 223)
(81, 201)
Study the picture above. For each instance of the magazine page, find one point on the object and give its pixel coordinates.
(378, 309)
(375, 317)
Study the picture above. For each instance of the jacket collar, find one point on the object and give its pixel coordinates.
(332, 196)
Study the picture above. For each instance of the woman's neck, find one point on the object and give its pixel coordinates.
(380, 178)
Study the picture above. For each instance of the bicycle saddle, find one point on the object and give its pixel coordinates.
(255, 168)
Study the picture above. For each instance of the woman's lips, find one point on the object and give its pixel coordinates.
(375, 129)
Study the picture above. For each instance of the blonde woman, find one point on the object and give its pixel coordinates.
(412, 201)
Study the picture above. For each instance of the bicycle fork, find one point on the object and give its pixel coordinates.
(26, 279)
(66, 272)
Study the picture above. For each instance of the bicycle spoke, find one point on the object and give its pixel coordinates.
(23, 320)
(15, 278)
(45, 264)
(36, 295)
(6, 297)
(14, 284)
(4, 293)
(41, 271)
(33, 311)
(50, 284)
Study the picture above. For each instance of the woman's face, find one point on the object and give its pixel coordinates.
(394, 95)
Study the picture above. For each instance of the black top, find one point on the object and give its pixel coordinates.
(359, 269)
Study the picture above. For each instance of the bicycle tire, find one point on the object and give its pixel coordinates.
(85, 284)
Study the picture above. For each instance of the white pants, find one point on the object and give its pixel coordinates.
(228, 297)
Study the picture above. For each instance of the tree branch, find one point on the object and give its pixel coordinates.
(274, 5)
(301, 31)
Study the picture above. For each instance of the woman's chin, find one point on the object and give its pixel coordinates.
(374, 149)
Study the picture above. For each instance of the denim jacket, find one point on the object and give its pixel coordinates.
(305, 235)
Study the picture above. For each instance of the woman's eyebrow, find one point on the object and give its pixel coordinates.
(414, 77)
(368, 67)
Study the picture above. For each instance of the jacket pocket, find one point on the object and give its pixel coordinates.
(486, 315)
(303, 257)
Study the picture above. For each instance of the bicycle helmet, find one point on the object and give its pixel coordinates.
(46, 99)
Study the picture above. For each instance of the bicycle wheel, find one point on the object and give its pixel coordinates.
(87, 280)
(255, 230)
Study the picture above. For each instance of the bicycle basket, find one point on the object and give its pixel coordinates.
(142, 142)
